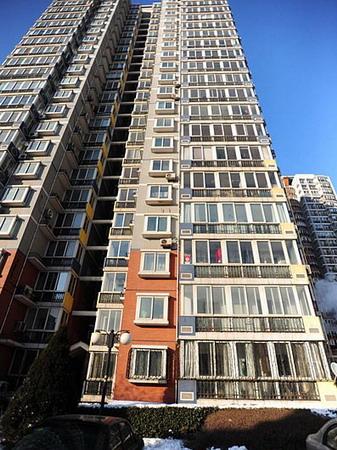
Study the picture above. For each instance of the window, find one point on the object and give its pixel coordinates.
(42, 319)
(211, 300)
(164, 123)
(98, 365)
(240, 252)
(53, 281)
(162, 143)
(155, 264)
(160, 193)
(214, 359)
(271, 252)
(208, 252)
(67, 249)
(123, 220)
(38, 147)
(7, 226)
(157, 225)
(245, 300)
(283, 359)
(281, 300)
(28, 169)
(113, 282)
(118, 249)
(159, 167)
(15, 195)
(152, 309)
(108, 319)
(165, 107)
(148, 364)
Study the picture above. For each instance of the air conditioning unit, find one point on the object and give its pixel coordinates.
(27, 290)
(166, 243)
(49, 213)
(170, 176)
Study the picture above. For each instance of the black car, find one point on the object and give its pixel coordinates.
(81, 432)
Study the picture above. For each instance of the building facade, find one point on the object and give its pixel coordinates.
(313, 203)
(141, 192)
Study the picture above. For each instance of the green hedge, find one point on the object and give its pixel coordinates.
(159, 422)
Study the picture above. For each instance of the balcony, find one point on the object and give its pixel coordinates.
(231, 193)
(35, 337)
(125, 231)
(203, 228)
(94, 387)
(242, 271)
(25, 295)
(250, 324)
(127, 204)
(257, 390)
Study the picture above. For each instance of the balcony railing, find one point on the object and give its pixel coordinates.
(63, 262)
(125, 231)
(221, 138)
(231, 192)
(35, 337)
(250, 324)
(228, 163)
(131, 204)
(67, 231)
(257, 390)
(116, 262)
(242, 271)
(94, 387)
(50, 297)
(207, 228)
(110, 297)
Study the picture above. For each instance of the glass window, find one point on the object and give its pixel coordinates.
(148, 364)
(283, 359)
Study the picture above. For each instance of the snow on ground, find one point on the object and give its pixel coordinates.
(174, 444)
(330, 413)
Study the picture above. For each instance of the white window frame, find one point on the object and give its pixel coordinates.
(160, 200)
(153, 273)
(9, 223)
(152, 321)
(160, 172)
(16, 202)
(158, 233)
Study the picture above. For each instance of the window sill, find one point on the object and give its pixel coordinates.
(147, 380)
(151, 322)
(154, 274)
(157, 234)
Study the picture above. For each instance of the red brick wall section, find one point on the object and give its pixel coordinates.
(147, 335)
(11, 310)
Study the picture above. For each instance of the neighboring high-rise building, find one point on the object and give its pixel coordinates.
(141, 181)
(318, 207)
(313, 203)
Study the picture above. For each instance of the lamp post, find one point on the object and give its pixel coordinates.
(113, 337)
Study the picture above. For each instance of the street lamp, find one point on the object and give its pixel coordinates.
(113, 337)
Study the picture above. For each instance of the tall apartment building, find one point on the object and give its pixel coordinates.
(141, 193)
(318, 204)
(313, 202)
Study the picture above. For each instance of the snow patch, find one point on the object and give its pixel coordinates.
(330, 413)
(242, 447)
(163, 444)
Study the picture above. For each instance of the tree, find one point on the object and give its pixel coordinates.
(49, 389)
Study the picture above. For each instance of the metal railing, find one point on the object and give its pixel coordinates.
(126, 231)
(62, 262)
(130, 204)
(222, 138)
(94, 387)
(116, 262)
(250, 324)
(242, 271)
(257, 390)
(210, 228)
(110, 297)
(228, 163)
(49, 297)
(218, 192)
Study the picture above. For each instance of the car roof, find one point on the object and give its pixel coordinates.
(85, 418)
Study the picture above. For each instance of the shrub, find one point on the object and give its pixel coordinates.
(48, 389)
(159, 422)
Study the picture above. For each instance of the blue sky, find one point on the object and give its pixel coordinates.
(291, 51)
